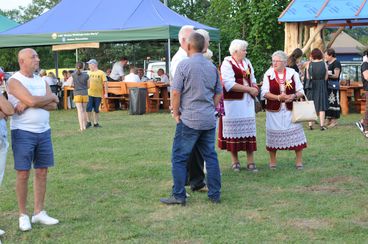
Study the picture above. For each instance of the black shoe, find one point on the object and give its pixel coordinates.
(172, 200)
(88, 125)
(215, 201)
(97, 125)
(323, 128)
(201, 188)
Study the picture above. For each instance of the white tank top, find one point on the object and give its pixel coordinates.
(34, 120)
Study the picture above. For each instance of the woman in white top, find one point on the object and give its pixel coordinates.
(237, 127)
(281, 86)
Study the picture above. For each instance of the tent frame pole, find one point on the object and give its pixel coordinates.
(56, 62)
(168, 56)
(219, 53)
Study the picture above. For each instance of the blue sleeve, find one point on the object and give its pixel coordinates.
(218, 88)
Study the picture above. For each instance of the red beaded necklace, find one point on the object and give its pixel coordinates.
(280, 81)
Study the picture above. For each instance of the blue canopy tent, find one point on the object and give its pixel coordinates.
(91, 21)
(319, 15)
(84, 21)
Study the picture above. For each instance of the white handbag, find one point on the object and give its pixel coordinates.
(304, 111)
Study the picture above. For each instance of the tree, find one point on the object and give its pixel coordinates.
(265, 34)
(35, 9)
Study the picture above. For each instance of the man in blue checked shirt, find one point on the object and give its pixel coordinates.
(196, 91)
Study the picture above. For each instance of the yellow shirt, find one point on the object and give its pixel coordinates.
(96, 79)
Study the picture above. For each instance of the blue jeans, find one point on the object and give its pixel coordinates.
(184, 141)
(3, 151)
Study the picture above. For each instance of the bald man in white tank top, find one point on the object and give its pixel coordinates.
(32, 100)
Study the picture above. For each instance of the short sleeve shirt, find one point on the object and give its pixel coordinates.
(96, 79)
(363, 68)
(198, 82)
(335, 65)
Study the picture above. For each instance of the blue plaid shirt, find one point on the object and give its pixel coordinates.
(198, 82)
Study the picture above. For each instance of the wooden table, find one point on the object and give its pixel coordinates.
(66, 89)
(164, 94)
(344, 102)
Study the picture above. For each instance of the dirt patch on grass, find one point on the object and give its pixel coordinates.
(186, 242)
(166, 213)
(320, 189)
(338, 179)
(309, 224)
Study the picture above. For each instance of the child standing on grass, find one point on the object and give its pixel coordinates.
(6, 109)
(80, 83)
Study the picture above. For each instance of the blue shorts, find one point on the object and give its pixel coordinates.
(29, 147)
(93, 103)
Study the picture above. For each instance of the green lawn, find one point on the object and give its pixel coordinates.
(107, 182)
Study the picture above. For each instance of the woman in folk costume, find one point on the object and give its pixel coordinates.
(237, 127)
(281, 86)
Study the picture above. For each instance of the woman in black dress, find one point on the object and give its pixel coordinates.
(317, 74)
(334, 70)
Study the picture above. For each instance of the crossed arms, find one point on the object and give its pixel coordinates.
(26, 100)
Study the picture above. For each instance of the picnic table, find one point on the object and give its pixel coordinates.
(354, 90)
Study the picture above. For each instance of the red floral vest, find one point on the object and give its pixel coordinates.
(274, 105)
(239, 75)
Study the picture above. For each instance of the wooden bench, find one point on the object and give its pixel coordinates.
(362, 102)
(114, 91)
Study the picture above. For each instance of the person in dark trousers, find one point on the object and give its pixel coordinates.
(195, 166)
(196, 91)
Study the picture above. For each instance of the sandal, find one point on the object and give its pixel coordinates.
(251, 167)
(272, 166)
(299, 167)
(236, 167)
(365, 133)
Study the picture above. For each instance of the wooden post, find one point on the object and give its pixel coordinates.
(291, 37)
(316, 31)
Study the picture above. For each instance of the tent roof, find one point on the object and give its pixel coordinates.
(73, 21)
(344, 43)
(6, 24)
(335, 12)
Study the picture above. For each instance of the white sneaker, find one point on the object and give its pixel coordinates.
(24, 223)
(44, 219)
(2, 232)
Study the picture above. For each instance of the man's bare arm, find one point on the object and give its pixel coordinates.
(5, 107)
(175, 103)
(51, 105)
(24, 96)
(216, 99)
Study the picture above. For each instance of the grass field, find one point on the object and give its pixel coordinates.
(106, 185)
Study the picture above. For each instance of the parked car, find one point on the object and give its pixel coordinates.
(151, 71)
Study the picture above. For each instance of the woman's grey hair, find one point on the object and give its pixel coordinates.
(208, 54)
(281, 54)
(185, 32)
(237, 45)
(205, 34)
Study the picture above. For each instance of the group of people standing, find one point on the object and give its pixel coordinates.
(197, 90)
(196, 93)
(321, 83)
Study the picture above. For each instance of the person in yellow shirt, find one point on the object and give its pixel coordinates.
(96, 79)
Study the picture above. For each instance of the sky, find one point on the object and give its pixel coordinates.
(13, 4)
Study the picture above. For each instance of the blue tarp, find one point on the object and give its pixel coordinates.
(75, 21)
(313, 10)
